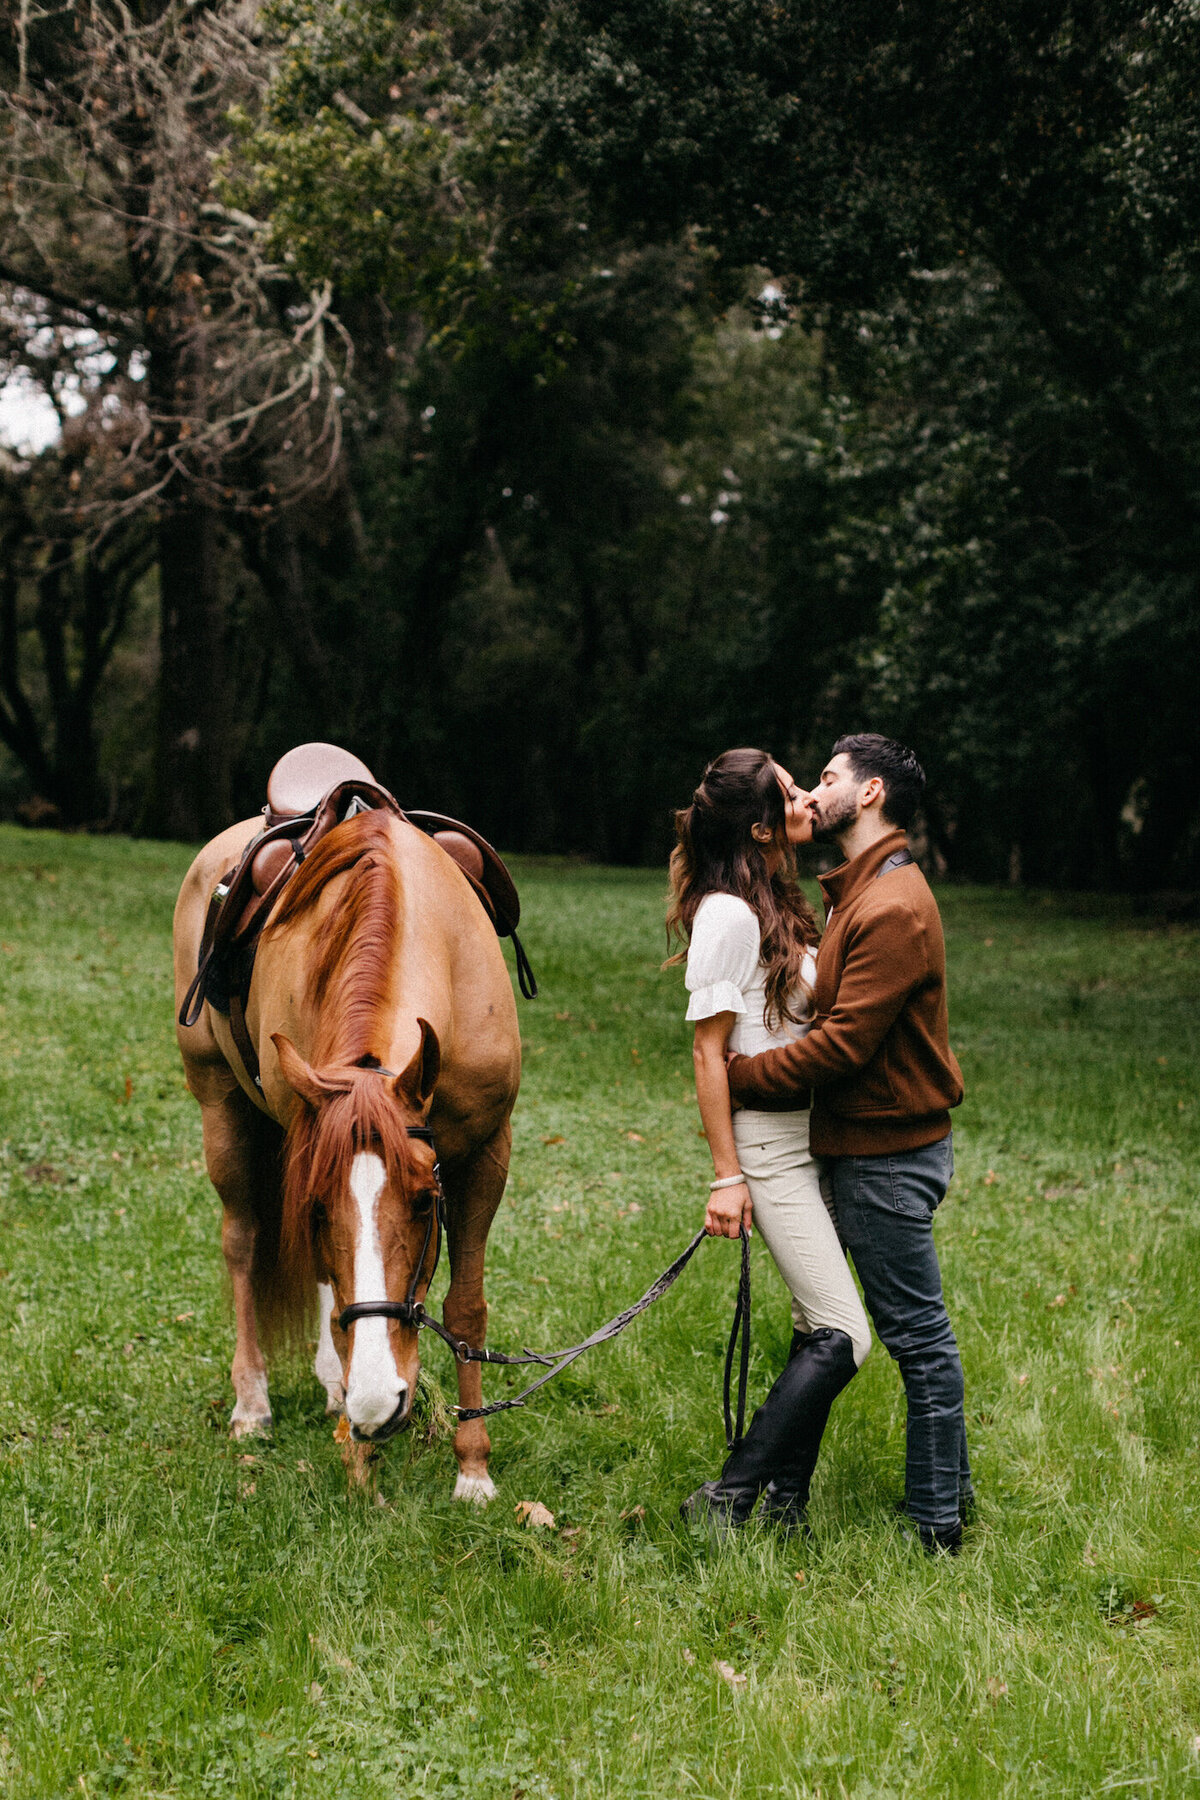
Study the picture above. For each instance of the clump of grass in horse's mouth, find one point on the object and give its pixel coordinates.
(431, 1417)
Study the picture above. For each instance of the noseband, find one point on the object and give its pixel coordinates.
(409, 1311)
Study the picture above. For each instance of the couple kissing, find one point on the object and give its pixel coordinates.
(825, 1080)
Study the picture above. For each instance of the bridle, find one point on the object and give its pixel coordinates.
(409, 1311)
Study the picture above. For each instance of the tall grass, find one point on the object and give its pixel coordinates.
(187, 1616)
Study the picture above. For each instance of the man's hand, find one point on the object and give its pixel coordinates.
(728, 1210)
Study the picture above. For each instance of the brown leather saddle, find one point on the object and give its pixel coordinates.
(310, 790)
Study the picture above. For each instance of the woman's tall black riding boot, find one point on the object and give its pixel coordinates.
(826, 1365)
(779, 1450)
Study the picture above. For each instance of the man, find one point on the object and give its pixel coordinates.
(883, 1079)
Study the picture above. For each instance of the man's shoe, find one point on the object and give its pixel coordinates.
(935, 1540)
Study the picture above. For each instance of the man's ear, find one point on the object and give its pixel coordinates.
(300, 1076)
(419, 1079)
(873, 792)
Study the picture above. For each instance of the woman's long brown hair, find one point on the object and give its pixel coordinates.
(717, 853)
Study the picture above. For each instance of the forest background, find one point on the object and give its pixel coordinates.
(538, 396)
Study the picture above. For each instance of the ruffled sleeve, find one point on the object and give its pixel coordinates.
(723, 958)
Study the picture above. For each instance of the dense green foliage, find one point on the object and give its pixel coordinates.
(181, 1621)
(717, 374)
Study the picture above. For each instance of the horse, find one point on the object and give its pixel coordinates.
(384, 1021)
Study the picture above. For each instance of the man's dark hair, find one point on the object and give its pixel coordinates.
(902, 776)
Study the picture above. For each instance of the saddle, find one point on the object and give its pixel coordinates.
(310, 790)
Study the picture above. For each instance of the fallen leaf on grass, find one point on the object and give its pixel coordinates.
(1089, 1557)
(991, 1178)
(635, 1137)
(1142, 1611)
(800, 1576)
(246, 1489)
(181, 1318)
(40, 1172)
(341, 1431)
(330, 1655)
(996, 1688)
(729, 1675)
(556, 1139)
(38, 1682)
(690, 1658)
(248, 1459)
(532, 1512)
(634, 1512)
(1058, 1300)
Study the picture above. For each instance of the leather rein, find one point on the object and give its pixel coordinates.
(411, 1311)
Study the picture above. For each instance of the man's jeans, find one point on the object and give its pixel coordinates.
(885, 1207)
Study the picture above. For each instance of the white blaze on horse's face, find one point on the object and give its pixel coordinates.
(374, 1387)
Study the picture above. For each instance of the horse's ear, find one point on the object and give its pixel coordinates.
(300, 1076)
(418, 1081)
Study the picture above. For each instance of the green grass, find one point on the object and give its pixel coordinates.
(179, 1620)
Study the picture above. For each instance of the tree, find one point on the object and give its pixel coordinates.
(220, 375)
(1048, 152)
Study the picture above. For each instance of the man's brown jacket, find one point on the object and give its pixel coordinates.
(878, 1058)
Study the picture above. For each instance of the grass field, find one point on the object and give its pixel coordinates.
(186, 1616)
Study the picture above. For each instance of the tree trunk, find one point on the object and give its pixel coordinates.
(191, 793)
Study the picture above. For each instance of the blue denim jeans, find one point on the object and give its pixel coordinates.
(885, 1207)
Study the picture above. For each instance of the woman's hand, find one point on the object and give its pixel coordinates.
(728, 1210)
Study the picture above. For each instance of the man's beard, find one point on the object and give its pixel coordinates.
(827, 826)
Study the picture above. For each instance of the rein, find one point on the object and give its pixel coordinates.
(411, 1311)
(558, 1360)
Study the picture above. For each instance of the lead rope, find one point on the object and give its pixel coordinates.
(411, 1311)
(741, 1328)
(556, 1361)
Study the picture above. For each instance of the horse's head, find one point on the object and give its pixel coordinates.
(360, 1213)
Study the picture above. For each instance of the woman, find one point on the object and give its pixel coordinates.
(750, 968)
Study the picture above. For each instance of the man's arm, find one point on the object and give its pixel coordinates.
(885, 961)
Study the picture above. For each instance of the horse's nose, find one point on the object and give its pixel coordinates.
(370, 1431)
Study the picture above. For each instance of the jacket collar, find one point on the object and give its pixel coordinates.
(849, 878)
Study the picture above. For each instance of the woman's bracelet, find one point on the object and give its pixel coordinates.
(726, 1181)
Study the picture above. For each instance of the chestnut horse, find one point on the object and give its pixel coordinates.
(378, 958)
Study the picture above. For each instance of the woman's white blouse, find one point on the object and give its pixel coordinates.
(725, 974)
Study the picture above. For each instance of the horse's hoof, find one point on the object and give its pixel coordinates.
(478, 1489)
(260, 1425)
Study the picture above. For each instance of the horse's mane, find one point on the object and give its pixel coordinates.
(357, 939)
(349, 987)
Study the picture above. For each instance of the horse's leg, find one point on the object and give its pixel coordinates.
(327, 1364)
(239, 1160)
(473, 1192)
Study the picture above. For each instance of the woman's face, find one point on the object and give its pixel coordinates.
(799, 820)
